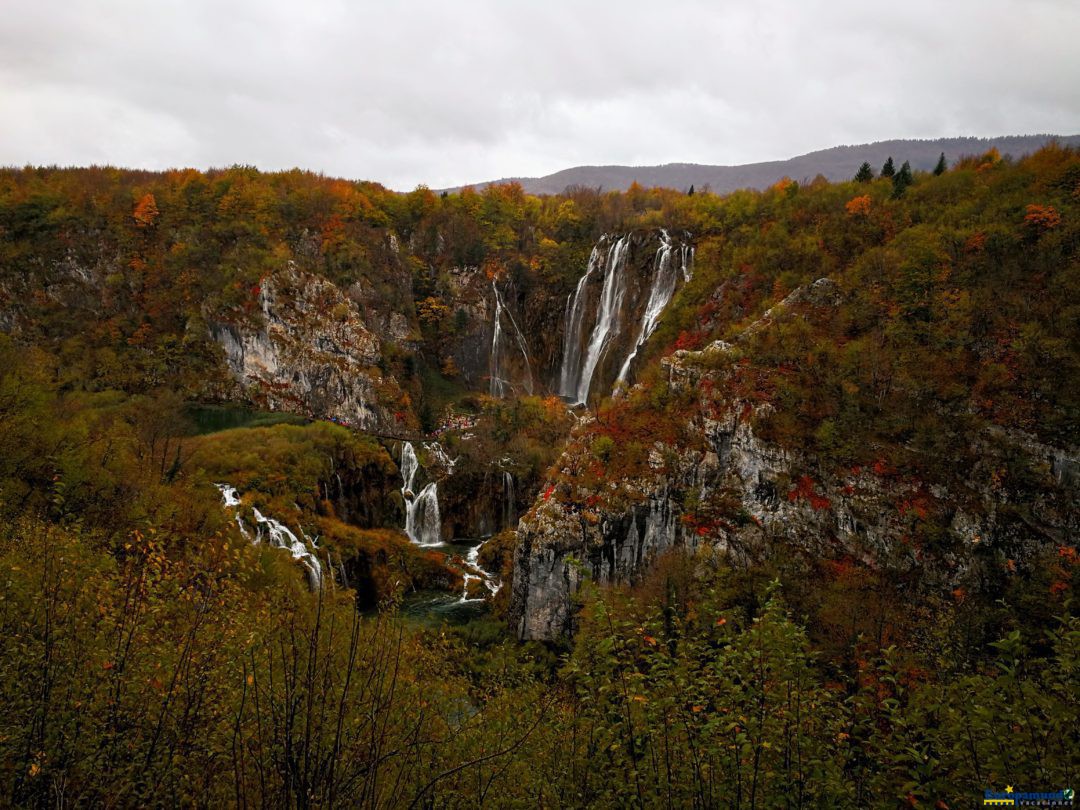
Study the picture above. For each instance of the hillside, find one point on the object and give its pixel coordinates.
(837, 163)
(316, 493)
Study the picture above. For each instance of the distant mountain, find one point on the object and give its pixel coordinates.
(837, 163)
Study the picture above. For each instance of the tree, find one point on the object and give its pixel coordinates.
(941, 166)
(901, 180)
(865, 173)
(888, 170)
(690, 193)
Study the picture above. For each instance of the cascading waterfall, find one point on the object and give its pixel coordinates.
(423, 524)
(499, 384)
(570, 371)
(607, 320)
(665, 277)
(620, 294)
(279, 534)
(490, 581)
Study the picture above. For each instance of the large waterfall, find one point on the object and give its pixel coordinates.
(279, 534)
(499, 378)
(423, 524)
(622, 295)
(665, 277)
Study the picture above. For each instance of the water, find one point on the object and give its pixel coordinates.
(423, 523)
(665, 276)
(436, 606)
(498, 383)
(280, 536)
(608, 322)
(570, 371)
(579, 367)
(509, 500)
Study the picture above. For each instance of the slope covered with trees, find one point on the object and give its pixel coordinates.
(908, 350)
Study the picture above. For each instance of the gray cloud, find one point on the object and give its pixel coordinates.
(429, 91)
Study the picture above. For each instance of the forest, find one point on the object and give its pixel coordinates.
(906, 342)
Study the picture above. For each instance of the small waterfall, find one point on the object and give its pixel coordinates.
(490, 581)
(423, 524)
(279, 534)
(509, 500)
(282, 537)
(665, 277)
(499, 384)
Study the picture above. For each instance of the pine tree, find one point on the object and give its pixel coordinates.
(865, 173)
(901, 180)
(942, 166)
(888, 170)
(690, 193)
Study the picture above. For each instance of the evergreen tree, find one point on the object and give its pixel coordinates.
(942, 166)
(865, 173)
(690, 193)
(888, 170)
(901, 180)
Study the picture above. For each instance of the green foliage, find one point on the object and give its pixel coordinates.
(865, 173)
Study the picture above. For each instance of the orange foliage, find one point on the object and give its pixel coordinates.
(1042, 217)
(858, 206)
(146, 211)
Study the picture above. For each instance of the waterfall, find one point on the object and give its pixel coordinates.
(498, 382)
(279, 534)
(490, 582)
(423, 524)
(575, 320)
(281, 537)
(509, 498)
(607, 317)
(665, 277)
(622, 293)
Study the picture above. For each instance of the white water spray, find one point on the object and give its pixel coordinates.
(279, 534)
(665, 277)
(423, 524)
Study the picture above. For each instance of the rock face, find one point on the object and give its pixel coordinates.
(311, 353)
(722, 484)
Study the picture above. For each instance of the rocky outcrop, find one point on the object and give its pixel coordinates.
(722, 484)
(310, 352)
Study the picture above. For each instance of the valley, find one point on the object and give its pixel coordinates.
(312, 492)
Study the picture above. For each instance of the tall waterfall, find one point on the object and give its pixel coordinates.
(570, 371)
(579, 377)
(499, 384)
(279, 534)
(422, 522)
(665, 277)
(622, 295)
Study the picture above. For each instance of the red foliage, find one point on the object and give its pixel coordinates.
(805, 488)
(548, 492)
(690, 341)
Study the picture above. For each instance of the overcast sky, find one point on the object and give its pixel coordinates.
(453, 91)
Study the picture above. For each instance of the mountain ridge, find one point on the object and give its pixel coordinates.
(835, 163)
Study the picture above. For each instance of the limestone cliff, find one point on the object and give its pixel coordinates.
(720, 483)
(309, 351)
